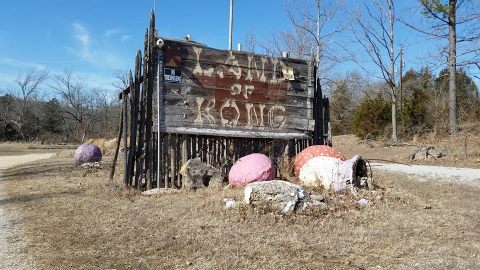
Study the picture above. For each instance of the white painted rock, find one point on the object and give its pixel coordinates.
(330, 172)
(276, 195)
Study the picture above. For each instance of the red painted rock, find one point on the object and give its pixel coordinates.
(251, 168)
(315, 151)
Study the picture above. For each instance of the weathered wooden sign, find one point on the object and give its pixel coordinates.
(185, 100)
(237, 94)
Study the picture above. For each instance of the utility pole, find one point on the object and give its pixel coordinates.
(400, 83)
(230, 27)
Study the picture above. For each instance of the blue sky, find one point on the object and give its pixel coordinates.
(95, 38)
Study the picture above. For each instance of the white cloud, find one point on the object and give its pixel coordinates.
(111, 32)
(81, 34)
(10, 68)
(94, 51)
(125, 38)
(15, 63)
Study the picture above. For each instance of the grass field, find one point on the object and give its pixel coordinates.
(74, 219)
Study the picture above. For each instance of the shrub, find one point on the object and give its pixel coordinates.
(416, 118)
(371, 117)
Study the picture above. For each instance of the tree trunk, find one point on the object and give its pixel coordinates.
(84, 134)
(452, 68)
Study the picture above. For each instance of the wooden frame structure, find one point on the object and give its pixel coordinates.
(187, 100)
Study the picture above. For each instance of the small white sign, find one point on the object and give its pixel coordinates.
(172, 75)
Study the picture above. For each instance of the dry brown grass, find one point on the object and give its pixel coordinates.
(106, 145)
(461, 150)
(78, 221)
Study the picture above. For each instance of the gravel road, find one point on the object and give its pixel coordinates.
(12, 246)
(423, 172)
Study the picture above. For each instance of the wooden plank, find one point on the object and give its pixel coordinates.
(212, 112)
(226, 85)
(233, 134)
(180, 54)
(283, 125)
(177, 99)
(191, 74)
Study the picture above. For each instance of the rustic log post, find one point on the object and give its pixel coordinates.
(160, 106)
(149, 99)
(173, 173)
(134, 112)
(328, 127)
(125, 133)
(165, 159)
(119, 138)
(141, 89)
(318, 133)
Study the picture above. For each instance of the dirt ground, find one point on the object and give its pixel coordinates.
(73, 218)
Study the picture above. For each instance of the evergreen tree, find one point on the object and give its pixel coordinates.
(52, 117)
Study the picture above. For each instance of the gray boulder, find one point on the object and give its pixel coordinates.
(280, 196)
(197, 174)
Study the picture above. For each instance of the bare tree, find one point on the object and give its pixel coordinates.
(457, 21)
(121, 80)
(106, 113)
(29, 84)
(77, 100)
(250, 42)
(374, 31)
(317, 26)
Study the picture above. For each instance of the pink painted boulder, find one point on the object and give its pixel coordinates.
(251, 168)
(88, 153)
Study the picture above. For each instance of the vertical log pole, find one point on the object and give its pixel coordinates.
(150, 64)
(125, 134)
(328, 127)
(318, 133)
(172, 147)
(141, 125)
(135, 100)
(119, 139)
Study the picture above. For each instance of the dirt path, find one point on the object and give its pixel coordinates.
(7, 162)
(440, 173)
(12, 246)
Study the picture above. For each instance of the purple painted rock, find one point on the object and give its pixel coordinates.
(88, 153)
(251, 168)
